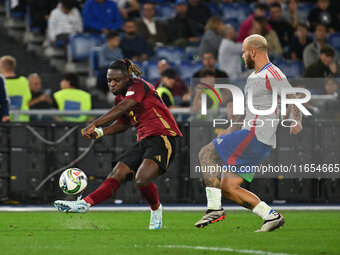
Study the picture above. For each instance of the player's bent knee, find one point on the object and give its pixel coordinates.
(142, 182)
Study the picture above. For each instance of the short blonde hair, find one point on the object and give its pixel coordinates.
(257, 41)
(213, 23)
(8, 63)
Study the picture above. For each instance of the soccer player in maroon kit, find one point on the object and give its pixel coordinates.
(136, 103)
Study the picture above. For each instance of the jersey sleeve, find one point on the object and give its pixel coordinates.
(277, 80)
(137, 92)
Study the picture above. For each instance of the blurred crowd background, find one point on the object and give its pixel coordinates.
(50, 48)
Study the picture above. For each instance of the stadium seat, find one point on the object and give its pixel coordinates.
(237, 11)
(151, 70)
(165, 11)
(80, 45)
(188, 68)
(214, 9)
(233, 22)
(94, 61)
(334, 40)
(291, 68)
(191, 52)
(305, 8)
(170, 54)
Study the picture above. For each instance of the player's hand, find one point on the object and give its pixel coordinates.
(5, 118)
(89, 132)
(294, 130)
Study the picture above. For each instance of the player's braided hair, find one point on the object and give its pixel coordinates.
(126, 65)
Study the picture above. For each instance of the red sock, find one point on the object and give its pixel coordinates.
(150, 194)
(104, 192)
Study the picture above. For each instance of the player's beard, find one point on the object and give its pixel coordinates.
(250, 64)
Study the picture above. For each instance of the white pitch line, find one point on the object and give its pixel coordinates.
(6, 208)
(207, 248)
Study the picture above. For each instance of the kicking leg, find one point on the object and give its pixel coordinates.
(104, 192)
(231, 188)
(147, 172)
(209, 158)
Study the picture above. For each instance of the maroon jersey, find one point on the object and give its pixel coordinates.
(150, 116)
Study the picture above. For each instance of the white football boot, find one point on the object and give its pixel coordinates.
(156, 218)
(79, 206)
(274, 221)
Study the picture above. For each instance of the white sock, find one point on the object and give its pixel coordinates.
(214, 197)
(263, 210)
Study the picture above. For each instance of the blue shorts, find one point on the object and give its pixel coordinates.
(242, 150)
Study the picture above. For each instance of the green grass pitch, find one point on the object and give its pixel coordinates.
(305, 232)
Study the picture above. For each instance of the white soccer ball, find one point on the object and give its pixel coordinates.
(73, 181)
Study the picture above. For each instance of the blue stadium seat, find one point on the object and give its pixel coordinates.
(171, 54)
(80, 46)
(305, 8)
(14, 14)
(233, 22)
(165, 11)
(94, 61)
(214, 9)
(237, 11)
(334, 40)
(191, 52)
(188, 68)
(291, 68)
(151, 70)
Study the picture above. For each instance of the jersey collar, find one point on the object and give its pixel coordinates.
(265, 67)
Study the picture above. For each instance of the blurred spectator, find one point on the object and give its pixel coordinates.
(332, 86)
(40, 98)
(180, 88)
(324, 66)
(282, 28)
(312, 51)
(182, 30)
(200, 12)
(168, 80)
(325, 14)
(292, 15)
(108, 53)
(229, 53)
(134, 46)
(246, 26)
(209, 62)
(101, 16)
(299, 42)
(17, 86)
(212, 37)
(207, 76)
(151, 29)
(128, 8)
(4, 101)
(259, 27)
(72, 98)
(40, 12)
(65, 19)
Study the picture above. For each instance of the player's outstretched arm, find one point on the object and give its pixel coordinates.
(297, 115)
(115, 128)
(115, 113)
